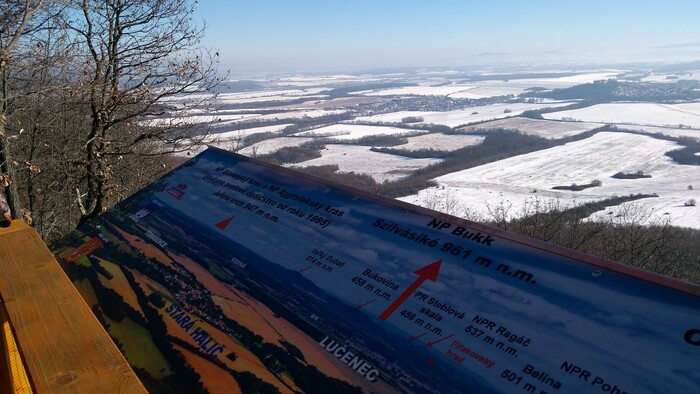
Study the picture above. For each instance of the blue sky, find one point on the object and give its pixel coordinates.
(311, 35)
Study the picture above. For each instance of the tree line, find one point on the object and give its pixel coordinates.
(629, 233)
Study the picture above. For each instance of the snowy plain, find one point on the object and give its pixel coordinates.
(361, 159)
(651, 114)
(440, 142)
(462, 117)
(343, 131)
(273, 145)
(516, 181)
(538, 127)
(519, 180)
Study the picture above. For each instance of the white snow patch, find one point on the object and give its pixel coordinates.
(252, 100)
(513, 181)
(315, 80)
(272, 145)
(635, 113)
(229, 140)
(243, 133)
(198, 119)
(440, 142)
(462, 116)
(286, 116)
(669, 131)
(541, 128)
(314, 113)
(360, 159)
(556, 82)
(351, 131)
(444, 90)
(486, 90)
(672, 77)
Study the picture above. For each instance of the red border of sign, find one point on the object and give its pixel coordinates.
(638, 273)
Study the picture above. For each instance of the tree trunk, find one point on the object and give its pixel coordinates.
(6, 166)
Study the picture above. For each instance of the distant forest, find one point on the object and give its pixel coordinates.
(612, 90)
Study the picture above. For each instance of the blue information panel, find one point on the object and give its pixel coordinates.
(399, 298)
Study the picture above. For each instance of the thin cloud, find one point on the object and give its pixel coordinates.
(679, 46)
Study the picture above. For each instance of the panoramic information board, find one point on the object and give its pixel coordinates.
(267, 280)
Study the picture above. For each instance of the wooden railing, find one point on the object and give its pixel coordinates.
(51, 341)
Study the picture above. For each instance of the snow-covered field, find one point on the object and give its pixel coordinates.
(270, 95)
(272, 145)
(471, 91)
(568, 81)
(635, 113)
(441, 142)
(443, 90)
(552, 82)
(488, 90)
(514, 182)
(212, 119)
(243, 133)
(233, 121)
(666, 78)
(360, 159)
(521, 179)
(230, 140)
(334, 103)
(669, 131)
(313, 113)
(518, 86)
(352, 131)
(541, 128)
(316, 80)
(463, 116)
(436, 141)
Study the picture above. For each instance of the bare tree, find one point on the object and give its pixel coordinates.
(443, 200)
(633, 235)
(14, 22)
(44, 122)
(138, 54)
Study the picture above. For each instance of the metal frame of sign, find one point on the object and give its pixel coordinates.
(401, 298)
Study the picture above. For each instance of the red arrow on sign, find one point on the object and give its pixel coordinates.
(360, 306)
(224, 223)
(430, 271)
(429, 344)
(411, 339)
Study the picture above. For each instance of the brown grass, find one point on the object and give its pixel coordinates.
(203, 276)
(147, 249)
(214, 379)
(147, 283)
(246, 316)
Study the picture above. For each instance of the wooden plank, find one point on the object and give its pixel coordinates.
(65, 348)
